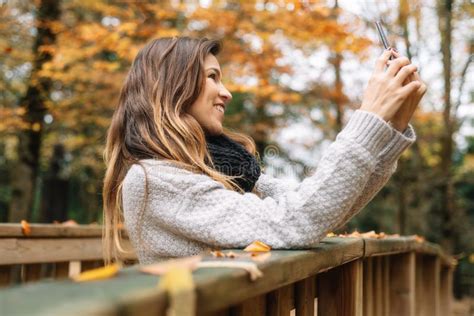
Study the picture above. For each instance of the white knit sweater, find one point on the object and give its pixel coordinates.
(186, 213)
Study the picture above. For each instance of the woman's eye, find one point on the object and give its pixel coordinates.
(213, 76)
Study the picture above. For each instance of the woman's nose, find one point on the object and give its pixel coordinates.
(225, 94)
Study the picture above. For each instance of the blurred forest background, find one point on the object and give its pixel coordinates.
(296, 69)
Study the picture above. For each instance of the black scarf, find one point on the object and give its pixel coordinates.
(232, 159)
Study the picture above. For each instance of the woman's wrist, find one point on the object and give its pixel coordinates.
(399, 126)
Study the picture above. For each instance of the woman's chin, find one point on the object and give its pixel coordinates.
(215, 130)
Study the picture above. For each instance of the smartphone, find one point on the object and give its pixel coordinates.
(382, 36)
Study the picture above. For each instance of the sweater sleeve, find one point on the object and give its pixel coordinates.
(205, 211)
(268, 186)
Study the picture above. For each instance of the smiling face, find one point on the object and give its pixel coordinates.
(209, 107)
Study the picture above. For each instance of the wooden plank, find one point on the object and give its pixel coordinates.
(428, 285)
(281, 301)
(432, 272)
(5, 275)
(31, 272)
(386, 285)
(10, 230)
(419, 288)
(446, 289)
(255, 306)
(61, 270)
(74, 268)
(368, 300)
(282, 268)
(39, 250)
(304, 296)
(340, 290)
(50, 230)
(402, 284)
(378, 293)
(386, 246)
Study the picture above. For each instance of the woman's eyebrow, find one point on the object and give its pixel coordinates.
(215, 69)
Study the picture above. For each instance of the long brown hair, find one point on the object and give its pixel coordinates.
(151, 122)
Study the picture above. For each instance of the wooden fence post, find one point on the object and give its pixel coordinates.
(304, 297)
(368, 293)
(378, 296)
(428, 276)
(402, 284)
(281, 301)
(446, 289)
(340, 290)
(386, 285)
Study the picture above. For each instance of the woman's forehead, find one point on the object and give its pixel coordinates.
(211, 62)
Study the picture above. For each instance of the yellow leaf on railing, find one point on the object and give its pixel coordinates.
(98, 274)
(257, 246)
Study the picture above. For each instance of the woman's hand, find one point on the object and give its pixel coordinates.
(401, 119)
(385, 92)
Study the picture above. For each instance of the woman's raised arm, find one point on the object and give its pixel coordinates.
(268, 186)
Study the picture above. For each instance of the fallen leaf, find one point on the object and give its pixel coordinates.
(98, 274)
(70, 222)
(217, 253)
(231, 254)
(257, 246)
(25, 228)
(370, 234)
(419, 239)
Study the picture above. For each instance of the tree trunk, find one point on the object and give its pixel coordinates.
(338, 94)
(29, 141)
(447, 186)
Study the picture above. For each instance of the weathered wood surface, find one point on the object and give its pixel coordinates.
(402, 286)
(375, 247)
(219, 290)
(50, 230)
(44, 250)
(340, 290)
(304, 296)
(428, 274)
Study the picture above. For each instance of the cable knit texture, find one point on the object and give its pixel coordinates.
(186, 213)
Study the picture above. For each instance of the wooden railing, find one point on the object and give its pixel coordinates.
(341, 276)
(48, 251)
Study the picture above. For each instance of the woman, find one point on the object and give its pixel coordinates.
(182, 183)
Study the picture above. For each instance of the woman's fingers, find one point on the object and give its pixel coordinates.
(408, 89)
(405, 73)
(382, 61)
(396, 65)
(422, 89)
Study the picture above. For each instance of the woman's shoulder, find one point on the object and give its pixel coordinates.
(164, 174)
